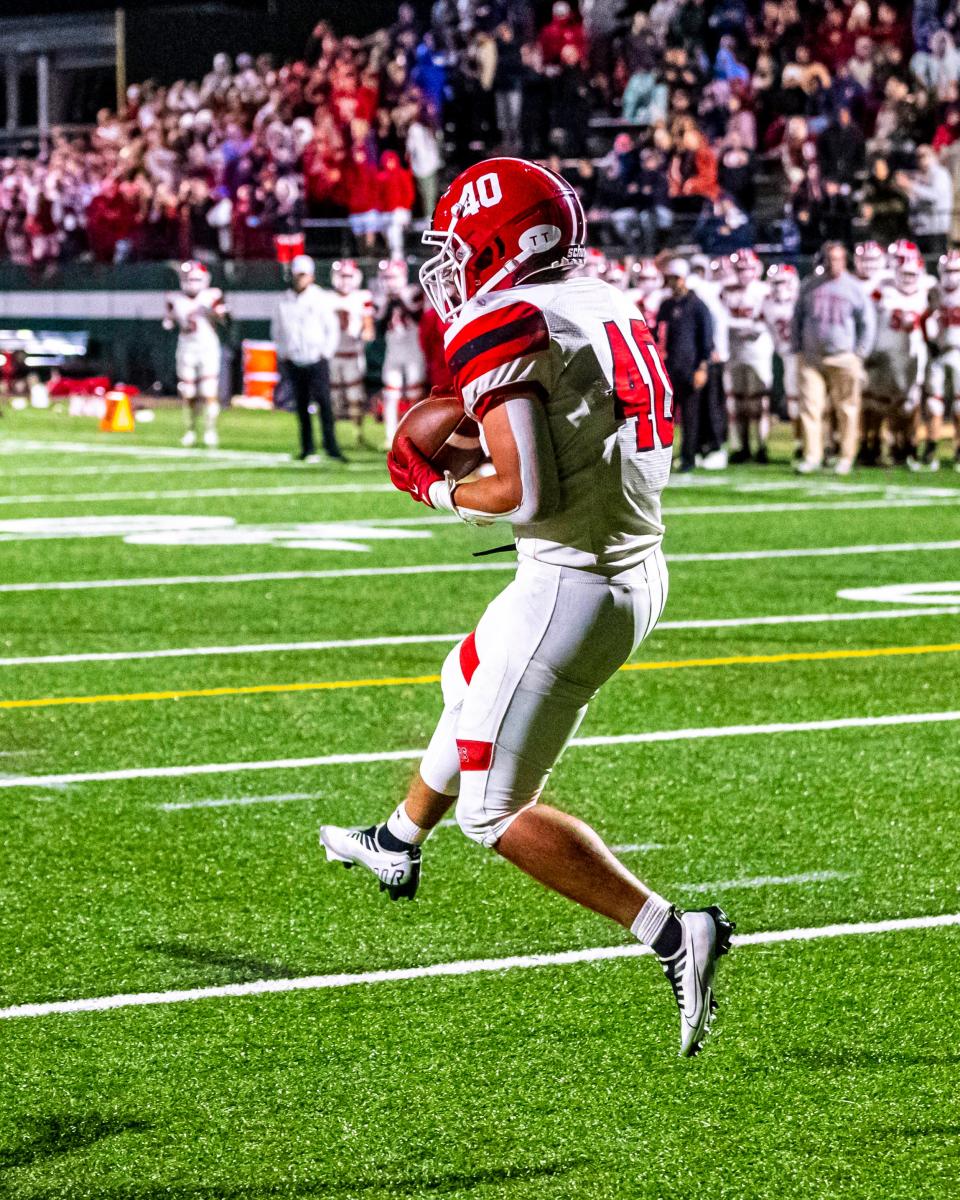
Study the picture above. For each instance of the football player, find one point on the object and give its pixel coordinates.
(870, 265)
(196, 312)
(894, 370)
(749, 377)
(404, 375)
(353, 305)
(784, 284)
(575, 408)
(942, 325)
(646, 289)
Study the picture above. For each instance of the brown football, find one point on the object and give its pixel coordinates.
(444, 434)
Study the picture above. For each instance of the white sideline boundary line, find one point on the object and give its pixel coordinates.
(762, 881)
(76, 585)
(621, 739)
(476, 966)
(427, 639)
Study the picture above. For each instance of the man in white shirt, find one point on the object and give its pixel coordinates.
(306, 331)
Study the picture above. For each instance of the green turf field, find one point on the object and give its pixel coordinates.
(815, 804)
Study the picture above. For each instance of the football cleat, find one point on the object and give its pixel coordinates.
(189, 439)
(398, 871)
(210, 439)
(706, 937)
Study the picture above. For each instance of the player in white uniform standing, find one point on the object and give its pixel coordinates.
(353, 305)
(646, 289)
(749, 378)
(784, 284)
(575, 409)
(399, 309)
(196, 311)
(942, 326)
(892, 390)
(870, 266)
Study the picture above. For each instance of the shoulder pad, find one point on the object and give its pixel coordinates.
(490, 339)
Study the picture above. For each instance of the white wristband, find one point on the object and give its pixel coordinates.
(441, 496)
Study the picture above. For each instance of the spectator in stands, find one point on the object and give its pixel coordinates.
(395, 193)
(423, 154)
(644, 98)
(361, 190)
(564, 29)
(723, 227)
(938, 69)
(833, 331)
(883, 205)
(737, 171)
(652, 200)
(508, 88)
(692, 173)
(842, 148)
(929, 191)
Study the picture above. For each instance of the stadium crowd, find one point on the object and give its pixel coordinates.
(662, 119)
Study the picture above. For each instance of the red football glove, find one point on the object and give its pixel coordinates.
(411, 472)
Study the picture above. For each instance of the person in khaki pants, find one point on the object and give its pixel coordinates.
(834, 326)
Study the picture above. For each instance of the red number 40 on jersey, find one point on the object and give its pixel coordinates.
(640, 384)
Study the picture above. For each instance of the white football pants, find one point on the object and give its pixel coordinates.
(516, 690)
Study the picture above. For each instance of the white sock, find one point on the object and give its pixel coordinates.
(651, 919)
(400, 825)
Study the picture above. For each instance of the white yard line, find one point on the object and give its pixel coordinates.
(378, 756)
(320, 489)
(427, 639)
(70, 585)
(21, 445)
(239, 801)
(476, 966)
(762, 881)
(685, 510)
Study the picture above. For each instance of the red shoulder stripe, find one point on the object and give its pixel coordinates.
(485, 321)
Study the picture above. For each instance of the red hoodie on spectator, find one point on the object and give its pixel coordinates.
(360, 183)
(394, 183)
(110, 219)
(564, 30)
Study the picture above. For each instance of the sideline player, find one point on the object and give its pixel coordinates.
(196, 311)
(894, 370)
(404, 375)
(784, 284)
(943, 369)
(353, 305)
(575, 408)
(749, 378)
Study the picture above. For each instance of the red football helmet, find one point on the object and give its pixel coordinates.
(498, 224)
(949, 270)
(903, 251)
(747, 266)
(345, 276)
(784, 281)
(194, 277)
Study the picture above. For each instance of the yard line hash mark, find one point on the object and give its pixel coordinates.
(334, 685)
(79, 585)
(426, 639)
(477, 966)
(616, 739)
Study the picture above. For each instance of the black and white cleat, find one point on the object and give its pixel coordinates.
(398, 871)
(706, 938)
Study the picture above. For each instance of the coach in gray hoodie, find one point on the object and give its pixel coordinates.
(834, 325)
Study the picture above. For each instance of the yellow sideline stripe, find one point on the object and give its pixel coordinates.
(333, 685)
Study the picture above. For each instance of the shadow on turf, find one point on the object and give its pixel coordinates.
(50, 1137)
(244, 968)
(393, 1185)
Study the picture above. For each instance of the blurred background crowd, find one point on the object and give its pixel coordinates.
(716, 123)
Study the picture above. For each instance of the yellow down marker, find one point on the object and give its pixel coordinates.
(334, 685)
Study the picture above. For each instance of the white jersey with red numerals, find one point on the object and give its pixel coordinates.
(872, 285)
(195, 317)
(581, 348)
(899, 354)
(778, 318)
(353, 310)
(750, 341)
(943, 321)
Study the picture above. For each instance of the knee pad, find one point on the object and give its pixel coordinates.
(936, 407)
(481, 817)
(187, 390)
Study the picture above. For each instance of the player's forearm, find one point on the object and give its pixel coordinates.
(492, 494)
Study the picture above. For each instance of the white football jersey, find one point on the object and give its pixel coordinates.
(194, 317)
(400, 317)
(944, 321)
(648, 302)
(352, 311)
(584, 349)
(899, 321)
(778, 318)
(750, 340)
